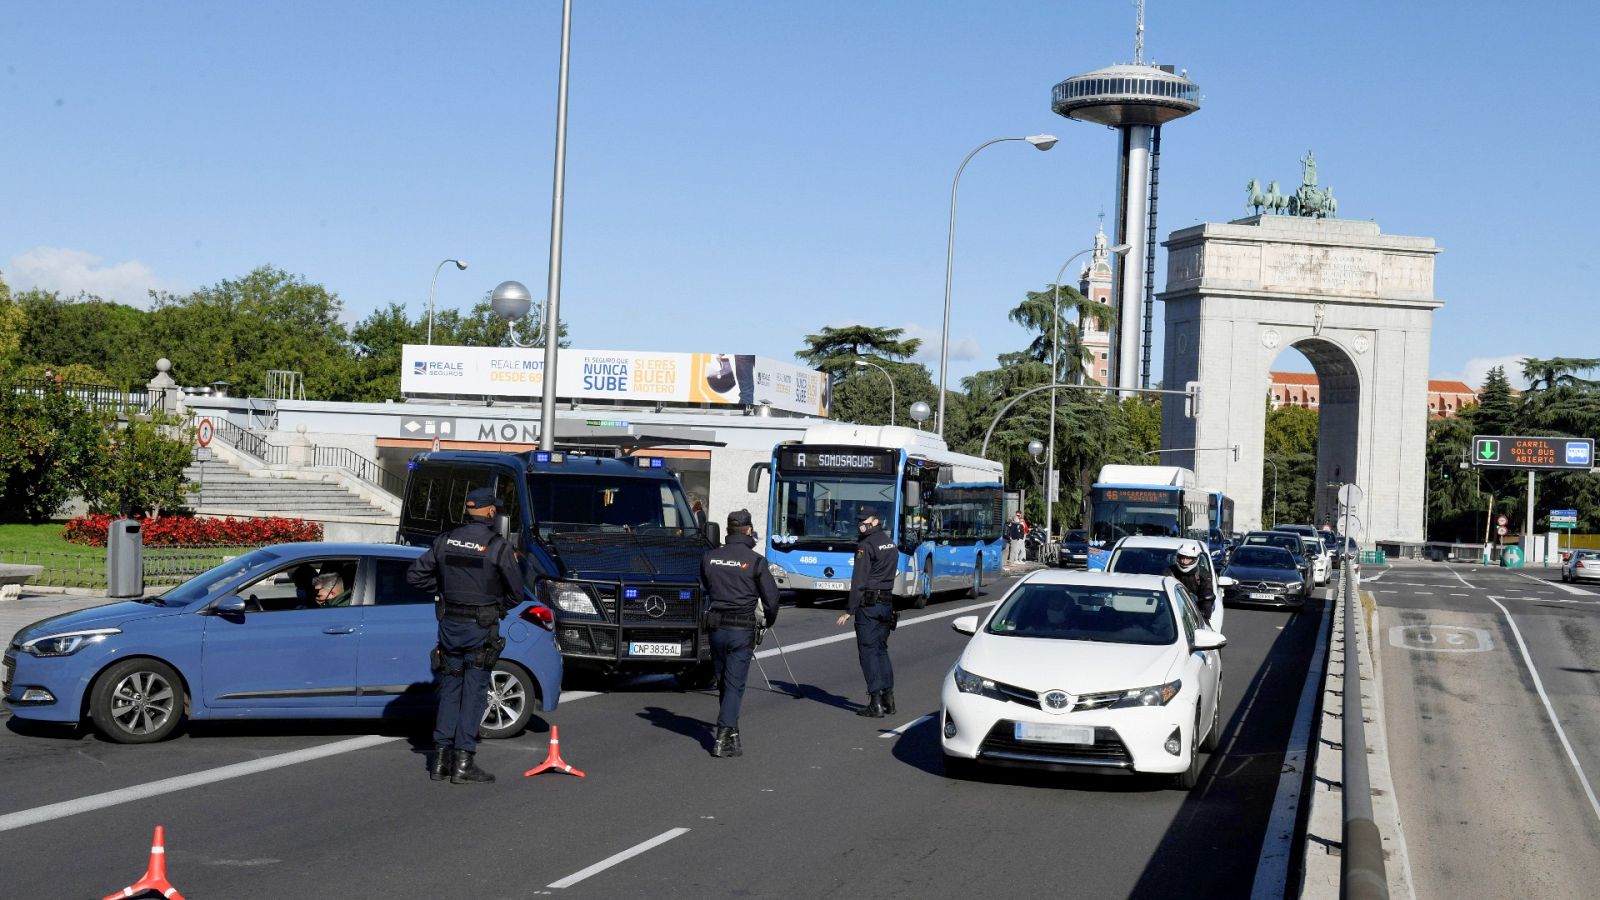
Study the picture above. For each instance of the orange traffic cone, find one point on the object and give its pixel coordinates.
(155, 877)
(554, 760)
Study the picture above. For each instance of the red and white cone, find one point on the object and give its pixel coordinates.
(155, 877)
(554, 760)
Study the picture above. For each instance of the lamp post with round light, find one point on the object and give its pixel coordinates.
(461, 266)
(1039, 141)
(1055, 376)
(862, 364)
(920, 412)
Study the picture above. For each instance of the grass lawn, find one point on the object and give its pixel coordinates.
(43, 538)
(78, 565)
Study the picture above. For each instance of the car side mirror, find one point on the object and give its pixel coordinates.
(1206, 639)
(913, 494)
(965, 624)
(1226, 581)
(228, 606)
(714, 534)
(502, 525)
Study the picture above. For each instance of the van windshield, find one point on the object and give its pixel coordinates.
(607, 504)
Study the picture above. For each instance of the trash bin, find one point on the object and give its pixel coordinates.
(124, 559)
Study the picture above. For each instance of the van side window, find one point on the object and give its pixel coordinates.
(436, 498)
(462, 480)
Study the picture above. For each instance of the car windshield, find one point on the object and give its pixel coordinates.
(1262, 557)
(1077, 535)
(607, 504)
(216, 576)
(1141, 560)
(1086, 612)
(1288, 542)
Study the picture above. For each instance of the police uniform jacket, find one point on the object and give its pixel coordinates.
(877, 560)
(736, 577)
(471, 565)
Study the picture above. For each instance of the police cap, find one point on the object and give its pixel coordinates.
(739, 518)
(478, 498)
(866, 514)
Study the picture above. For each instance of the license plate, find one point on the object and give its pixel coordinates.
(833, 586)
(1054, 734)
(642, 648)
(1263, 596)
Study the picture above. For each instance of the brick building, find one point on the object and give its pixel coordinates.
(1445, 398)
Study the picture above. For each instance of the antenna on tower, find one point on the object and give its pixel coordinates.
(1138, 35)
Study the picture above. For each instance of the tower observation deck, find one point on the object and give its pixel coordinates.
(1136, 99)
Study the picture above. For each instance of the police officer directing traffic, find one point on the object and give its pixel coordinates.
(872, 604)
(735, 577)
(1194, 577)
(475, 573)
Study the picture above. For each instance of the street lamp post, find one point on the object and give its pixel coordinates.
(1041, 142)
(861, 363)
(460, 267)
(552, 313)
(1055, 376)
(1274, 488)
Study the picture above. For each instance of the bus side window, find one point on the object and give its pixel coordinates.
(505, 493)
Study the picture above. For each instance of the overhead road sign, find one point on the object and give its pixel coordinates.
(1563, 519)
(1510, 452)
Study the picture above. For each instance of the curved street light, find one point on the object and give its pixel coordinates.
(1040, 142)
(461, 266)
(1055, 376)
(861, 364)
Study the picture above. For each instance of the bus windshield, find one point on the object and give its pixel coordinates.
(591, 503)
(1117, 514)
(812, 508)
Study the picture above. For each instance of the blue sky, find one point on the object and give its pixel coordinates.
(743, 173)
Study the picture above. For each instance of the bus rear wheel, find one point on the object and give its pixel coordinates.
(976, 590)
(924, 586)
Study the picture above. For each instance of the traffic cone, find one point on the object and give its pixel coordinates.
(554, 760)
(155, 877)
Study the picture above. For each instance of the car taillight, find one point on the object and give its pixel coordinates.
(540, 616)
(1578, 564)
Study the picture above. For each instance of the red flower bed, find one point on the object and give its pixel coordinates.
(174, 531)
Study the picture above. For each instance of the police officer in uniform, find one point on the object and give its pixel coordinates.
(735, 577)
(475, 573)
(872, 604)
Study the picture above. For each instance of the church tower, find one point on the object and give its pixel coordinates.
(1094, 283)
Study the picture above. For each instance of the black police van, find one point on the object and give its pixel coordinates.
(609, 545)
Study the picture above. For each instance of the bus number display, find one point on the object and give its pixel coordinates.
(845, 460)
(1126, 496)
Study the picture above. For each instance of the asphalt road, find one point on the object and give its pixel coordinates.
(823, 804)
(1491, 691)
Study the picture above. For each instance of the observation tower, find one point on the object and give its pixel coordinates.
(1136, 99)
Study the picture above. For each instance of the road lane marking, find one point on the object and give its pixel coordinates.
(851, 634)
(896, 732)
(624, 856)
(1558, 584)
(1463, 580)
(1278, 845)
(1549, 710)
(92, 802)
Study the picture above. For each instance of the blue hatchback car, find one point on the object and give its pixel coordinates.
(254, 638)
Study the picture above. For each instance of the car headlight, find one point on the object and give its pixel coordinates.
(1160, 695)
(67, 643)
(567, 597)
(968, 683)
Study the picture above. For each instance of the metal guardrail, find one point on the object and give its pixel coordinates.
(242, 440)
(361, 467)
(162, 565)
(97, 397)
(1361, 865)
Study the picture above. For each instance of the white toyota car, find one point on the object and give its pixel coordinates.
(1084, 671)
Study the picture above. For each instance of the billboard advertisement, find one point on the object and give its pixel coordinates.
(730, 379)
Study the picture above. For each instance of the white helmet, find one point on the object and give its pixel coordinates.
(1190, 550)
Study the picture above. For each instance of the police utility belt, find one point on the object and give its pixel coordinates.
(717, 618)
(484, 615)
(872, 597)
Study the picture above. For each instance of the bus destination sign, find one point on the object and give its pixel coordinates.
(851, 460)
(1507, 452)
(1135, 496)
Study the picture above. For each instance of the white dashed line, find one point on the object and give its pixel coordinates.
(624, 856)
(895, 732)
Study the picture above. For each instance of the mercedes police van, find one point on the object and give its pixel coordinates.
(610, 545)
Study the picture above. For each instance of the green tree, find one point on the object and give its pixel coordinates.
(1290, 442)
(834, 350)
(862, 395)
(1039, 314)
(60, 333)
(49, 442)
(13, 323)
(141, 468)
(378, 342)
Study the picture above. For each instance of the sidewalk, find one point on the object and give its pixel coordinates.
(31, 607)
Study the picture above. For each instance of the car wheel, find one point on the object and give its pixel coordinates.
(702, 676)
(511, 699)
(924, 586)
(1214, 736)
(959, 766)
(1188, 778)
(137, 701)
(976, 590)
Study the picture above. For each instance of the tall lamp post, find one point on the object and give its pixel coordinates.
(1055, 376)
(862, 364)
(552, 309)
(461, 266)
(1274, 489)
(1039, 141)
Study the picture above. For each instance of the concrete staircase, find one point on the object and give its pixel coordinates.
(220, 488)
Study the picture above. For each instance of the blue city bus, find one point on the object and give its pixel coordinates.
(1221, 509)
(942, 509)
(1160, 501)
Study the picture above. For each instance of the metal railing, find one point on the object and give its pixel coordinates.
(244, 441)
(361, 467)
(97, 397)
(1361, 866)
(87, 569)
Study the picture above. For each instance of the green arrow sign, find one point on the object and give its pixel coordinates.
(1488, 451)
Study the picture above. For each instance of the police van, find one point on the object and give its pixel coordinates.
(609, 545)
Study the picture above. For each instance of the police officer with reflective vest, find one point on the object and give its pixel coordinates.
(475, 573)
(735, 578)
(872, 604)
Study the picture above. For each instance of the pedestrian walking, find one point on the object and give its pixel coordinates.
(474, 573)
(736, 578)
(1016, 535)
(872, 605)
